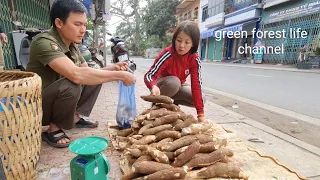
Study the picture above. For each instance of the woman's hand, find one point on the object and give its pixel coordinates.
(202, 118)
(155, 90)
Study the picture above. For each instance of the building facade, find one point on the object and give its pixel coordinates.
(211, 18)
(241, 16)
(188, 10)
(291, 16)
(222, 17)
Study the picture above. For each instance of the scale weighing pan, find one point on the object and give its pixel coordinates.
(88, 145)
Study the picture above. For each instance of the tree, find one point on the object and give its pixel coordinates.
(159, 17)
(90, 25)
(131, 27)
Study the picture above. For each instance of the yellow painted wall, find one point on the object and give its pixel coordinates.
(192, 7)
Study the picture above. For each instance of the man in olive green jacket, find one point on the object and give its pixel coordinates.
(70, 87)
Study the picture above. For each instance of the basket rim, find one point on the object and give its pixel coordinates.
(30, 75)
(17, 72)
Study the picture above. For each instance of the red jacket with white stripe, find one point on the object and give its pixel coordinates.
(170, 63)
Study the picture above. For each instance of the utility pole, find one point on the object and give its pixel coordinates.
(107, 16)
(104, 44)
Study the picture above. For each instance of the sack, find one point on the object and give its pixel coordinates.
(126, 111)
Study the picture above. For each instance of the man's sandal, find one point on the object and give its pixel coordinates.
(86, 124)
(53, 141)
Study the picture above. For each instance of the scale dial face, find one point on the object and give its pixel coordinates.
(81, 161)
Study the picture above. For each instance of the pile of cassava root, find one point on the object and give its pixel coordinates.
(166, 143)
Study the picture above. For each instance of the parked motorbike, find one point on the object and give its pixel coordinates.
(120, 53)
(22, 40)
(97, 57)
(92, 57)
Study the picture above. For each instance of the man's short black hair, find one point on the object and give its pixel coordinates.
(62, 8)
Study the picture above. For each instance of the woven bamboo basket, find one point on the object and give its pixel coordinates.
(20, 123)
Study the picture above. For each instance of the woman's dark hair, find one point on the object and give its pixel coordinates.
(192, 30)
(62, 8)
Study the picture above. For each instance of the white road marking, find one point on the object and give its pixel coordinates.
(259, 75)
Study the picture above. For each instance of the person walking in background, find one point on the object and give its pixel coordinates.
(3, 40)
(167, 76)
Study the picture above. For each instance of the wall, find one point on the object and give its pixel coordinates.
(214, 20)
(232, 19)
(152, 52)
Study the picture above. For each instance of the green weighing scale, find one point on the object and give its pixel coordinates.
(91, 163)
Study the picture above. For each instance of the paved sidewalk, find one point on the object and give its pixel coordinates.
(54, 163)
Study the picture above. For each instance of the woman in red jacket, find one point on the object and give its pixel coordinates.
(168, 74)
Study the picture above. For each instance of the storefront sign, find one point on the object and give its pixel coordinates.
(297, 11)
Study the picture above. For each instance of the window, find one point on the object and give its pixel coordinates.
(185, 16)
(195, 14)
(189, 15)
(204, 13)
(215, 7)
(180, 18)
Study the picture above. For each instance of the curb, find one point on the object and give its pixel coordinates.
(303, 145)
(285, 112)
(315, 71)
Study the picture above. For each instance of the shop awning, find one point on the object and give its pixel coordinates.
(208, 33)
(87, 3)
(237, 27)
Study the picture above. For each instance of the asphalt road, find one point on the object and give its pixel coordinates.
(295, 91)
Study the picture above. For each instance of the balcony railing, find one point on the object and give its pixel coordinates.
(235, 5)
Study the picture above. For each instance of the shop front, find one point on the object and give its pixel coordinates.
(241, 18)
(211, 48)
(237, 36)
(295, 16)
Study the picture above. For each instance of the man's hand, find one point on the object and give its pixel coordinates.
(3, 38)
(155, 90)
(121, 66)
(128, 78)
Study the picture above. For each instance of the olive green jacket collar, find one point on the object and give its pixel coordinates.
(56, 34)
